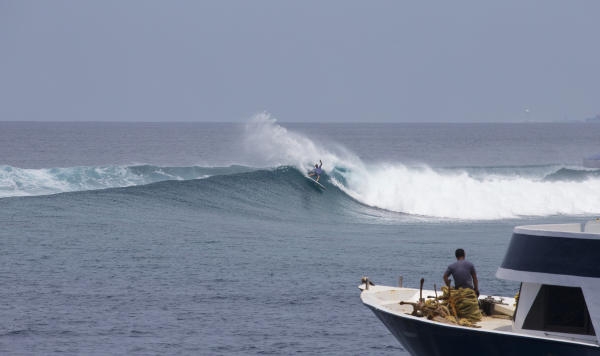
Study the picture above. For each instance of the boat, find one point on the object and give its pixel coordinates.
(556, 312)
(592, 161)
(594, 119)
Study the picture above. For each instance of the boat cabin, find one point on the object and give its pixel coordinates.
(559, 270)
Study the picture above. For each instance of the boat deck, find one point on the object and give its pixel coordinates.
(389, 298)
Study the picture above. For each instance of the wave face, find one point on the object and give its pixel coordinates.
(276, 159)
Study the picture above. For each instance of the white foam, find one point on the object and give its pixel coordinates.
(423, 191)
(30, 182)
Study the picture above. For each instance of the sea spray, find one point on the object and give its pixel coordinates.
(269, 144)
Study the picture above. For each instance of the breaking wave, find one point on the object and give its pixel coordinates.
(470, 193)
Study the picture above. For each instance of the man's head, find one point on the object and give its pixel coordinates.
(316, 166)
(459, 253)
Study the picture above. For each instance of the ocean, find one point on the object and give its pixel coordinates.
(208, 239)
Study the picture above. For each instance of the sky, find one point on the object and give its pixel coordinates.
(300, 61)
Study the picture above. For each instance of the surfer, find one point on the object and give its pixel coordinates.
(317, 171)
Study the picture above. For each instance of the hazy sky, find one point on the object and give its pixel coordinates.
(342, 61)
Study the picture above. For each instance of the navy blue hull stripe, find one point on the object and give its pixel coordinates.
(436, 339)
(556, 255)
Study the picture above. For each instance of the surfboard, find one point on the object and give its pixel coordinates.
(316, 183)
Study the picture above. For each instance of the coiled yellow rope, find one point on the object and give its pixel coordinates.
(462, 304)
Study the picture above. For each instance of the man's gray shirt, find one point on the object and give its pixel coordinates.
(461, 271)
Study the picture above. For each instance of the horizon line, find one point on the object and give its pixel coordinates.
(300, 122)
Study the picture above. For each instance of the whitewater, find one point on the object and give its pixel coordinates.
(484, 192)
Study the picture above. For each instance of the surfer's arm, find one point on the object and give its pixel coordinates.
(321, 164)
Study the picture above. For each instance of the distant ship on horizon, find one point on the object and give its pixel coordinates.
(593, 119)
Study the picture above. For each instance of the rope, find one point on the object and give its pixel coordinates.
(464, 304)
(455, 306)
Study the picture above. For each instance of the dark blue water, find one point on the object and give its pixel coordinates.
(207, 238)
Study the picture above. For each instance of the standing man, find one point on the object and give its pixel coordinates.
(463, 272)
